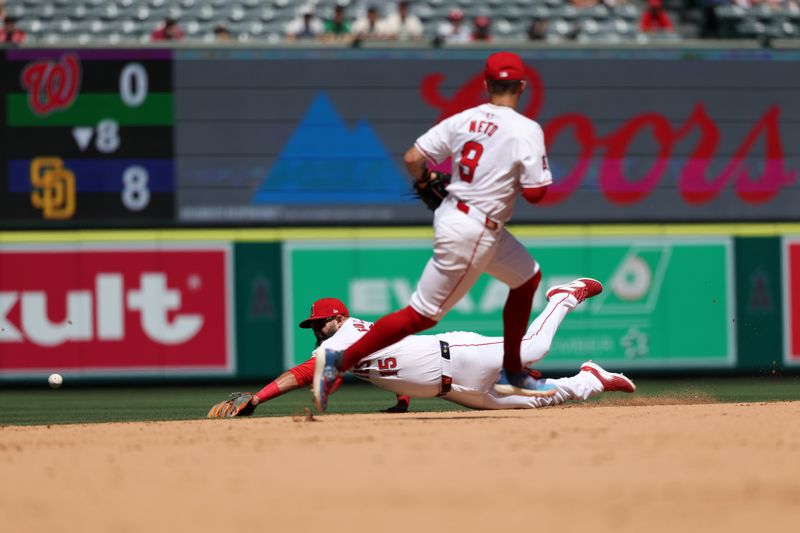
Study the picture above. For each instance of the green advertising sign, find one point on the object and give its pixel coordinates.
(667, 303)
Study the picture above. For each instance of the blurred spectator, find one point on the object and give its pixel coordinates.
(583, 4)
(222, 34)
(774, 4)
(655, 18)
(709, 23)
(482, 30)
(403, 25)
(454, 30)
(369, 26)
(537, 29)
(2, 10)
(306, 26)
(168, 31)
(10, 32)
(337, 28)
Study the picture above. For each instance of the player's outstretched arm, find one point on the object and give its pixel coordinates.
(282, 384)
(301, 376)
(244, 403)
(294, 378)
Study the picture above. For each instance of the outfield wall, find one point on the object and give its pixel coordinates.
(99, 138)
(224, 304)
(176, 139)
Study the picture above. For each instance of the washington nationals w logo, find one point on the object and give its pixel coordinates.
(52, 85)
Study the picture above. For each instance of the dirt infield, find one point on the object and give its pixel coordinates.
(711, 467)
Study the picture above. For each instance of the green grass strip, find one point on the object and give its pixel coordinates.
(126, 404)
(91, 108)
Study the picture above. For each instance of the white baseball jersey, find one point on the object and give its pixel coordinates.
(495, 150)
(413, 366)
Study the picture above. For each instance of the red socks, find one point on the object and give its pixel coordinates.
(516, 314)
(400, 324)
(387, 331)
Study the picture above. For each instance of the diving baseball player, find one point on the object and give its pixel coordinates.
(461, 367)
(497, 154)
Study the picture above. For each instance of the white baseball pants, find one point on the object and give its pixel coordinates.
(464, 248)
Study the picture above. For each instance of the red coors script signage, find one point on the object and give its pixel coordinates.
(696, 185)
(142, 310)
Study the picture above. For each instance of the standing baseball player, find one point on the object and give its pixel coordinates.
(497, 154)
(461, 367)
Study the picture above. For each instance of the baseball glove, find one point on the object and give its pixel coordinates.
(239, 404)
(432, 188)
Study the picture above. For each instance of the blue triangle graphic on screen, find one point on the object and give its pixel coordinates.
(326, 162)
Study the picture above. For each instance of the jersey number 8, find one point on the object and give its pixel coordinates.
(470, 155)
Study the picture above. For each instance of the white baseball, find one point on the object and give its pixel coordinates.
(55, 381)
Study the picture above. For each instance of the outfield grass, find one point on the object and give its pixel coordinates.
(93, 405)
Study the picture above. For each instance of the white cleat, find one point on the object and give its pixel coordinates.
(611, 382)
(581, 288)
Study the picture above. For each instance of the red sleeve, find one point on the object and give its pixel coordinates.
(534, 195)
(304, 372)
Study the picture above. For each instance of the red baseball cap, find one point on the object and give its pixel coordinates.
(504, 66)
(325, 308)
(455, 14)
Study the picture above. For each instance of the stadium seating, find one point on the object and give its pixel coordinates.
(61, 21)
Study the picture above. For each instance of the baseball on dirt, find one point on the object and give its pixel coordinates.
(55, 381)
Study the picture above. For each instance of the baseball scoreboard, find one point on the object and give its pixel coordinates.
(87, 138)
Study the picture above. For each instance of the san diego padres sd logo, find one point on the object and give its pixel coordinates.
(53, 188)
(52, 85)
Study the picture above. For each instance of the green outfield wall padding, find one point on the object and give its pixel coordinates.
(759, 304)
(259, 312)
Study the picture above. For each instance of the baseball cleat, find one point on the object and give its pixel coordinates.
(523, 383)
(325, 374)
(611, 382)
(581, 288)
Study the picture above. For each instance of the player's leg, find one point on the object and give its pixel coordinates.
(590, 381)
(462, 248)
(516, 314)
(561, 300)
(539, 337)
(513, 265)
(581, 386)
(492, 400)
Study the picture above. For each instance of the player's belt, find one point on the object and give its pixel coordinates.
(447, 376)
(477, 215)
